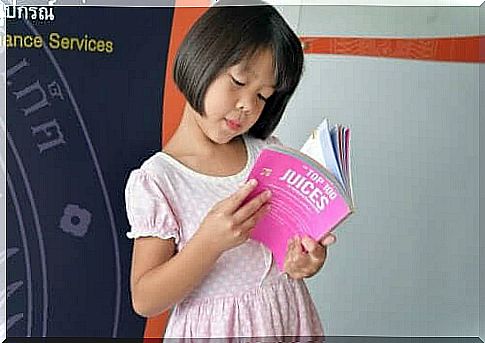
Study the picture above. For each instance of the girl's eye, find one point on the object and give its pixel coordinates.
(240, 84)
(237, 82)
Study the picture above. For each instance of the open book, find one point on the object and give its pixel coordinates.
(311, 188)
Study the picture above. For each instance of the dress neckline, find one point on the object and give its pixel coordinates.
(176, 163)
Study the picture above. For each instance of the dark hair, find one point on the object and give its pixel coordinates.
(226, 35)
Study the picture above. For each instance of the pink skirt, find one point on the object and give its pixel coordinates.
(281, 307)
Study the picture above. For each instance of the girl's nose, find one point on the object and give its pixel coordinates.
(243, 109)
(246, 105)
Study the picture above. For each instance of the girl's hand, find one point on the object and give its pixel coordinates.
(228, 224)
(299, 263)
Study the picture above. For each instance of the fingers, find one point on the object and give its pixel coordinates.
(315, 250)
(246, 211)
(250, 222)
(295, 256)
(298, 263)
(232, 203)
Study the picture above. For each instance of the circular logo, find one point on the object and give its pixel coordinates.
(63, 265)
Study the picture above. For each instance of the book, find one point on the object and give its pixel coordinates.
(311, 188)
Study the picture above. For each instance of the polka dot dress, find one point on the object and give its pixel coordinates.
(244, 295)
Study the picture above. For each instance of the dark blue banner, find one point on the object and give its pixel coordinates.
(83, 94)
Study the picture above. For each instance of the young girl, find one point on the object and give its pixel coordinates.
(237, 68)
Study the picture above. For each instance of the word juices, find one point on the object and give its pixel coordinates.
(311, 188)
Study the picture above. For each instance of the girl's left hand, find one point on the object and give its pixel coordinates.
(300, 263)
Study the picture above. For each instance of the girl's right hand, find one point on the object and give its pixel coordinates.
(228, 224)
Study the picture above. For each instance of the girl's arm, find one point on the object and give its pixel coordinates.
(158, 280)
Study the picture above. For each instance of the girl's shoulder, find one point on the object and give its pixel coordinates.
(273, 140)
(154, 168)
(258, 143)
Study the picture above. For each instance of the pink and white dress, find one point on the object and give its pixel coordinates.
(244, 295)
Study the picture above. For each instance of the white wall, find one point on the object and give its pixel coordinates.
(406, 264)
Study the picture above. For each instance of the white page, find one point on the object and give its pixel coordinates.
(319, 147)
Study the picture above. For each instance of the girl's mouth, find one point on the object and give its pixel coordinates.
(233, 124)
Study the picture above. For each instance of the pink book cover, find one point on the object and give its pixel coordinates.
(306, 199)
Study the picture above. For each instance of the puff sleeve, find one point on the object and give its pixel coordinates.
(147, 208)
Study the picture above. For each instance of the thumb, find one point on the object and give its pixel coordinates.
(314, 249)
(328, 240)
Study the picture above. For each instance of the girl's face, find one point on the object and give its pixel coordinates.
(235, 99)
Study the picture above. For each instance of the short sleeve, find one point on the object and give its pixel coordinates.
(147, 208)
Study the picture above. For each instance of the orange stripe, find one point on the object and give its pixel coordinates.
(173, 105)
(448, 49)
(155, 327)
(173, 100)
